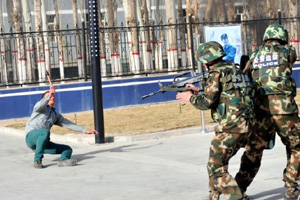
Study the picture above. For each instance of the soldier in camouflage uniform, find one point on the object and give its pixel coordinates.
(228, 93)
(275, 108)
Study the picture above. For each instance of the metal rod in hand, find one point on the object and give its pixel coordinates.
(49, 79)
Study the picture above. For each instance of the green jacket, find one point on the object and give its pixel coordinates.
(228, 93)
(271, 71)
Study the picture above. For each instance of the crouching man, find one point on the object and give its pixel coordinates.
(38, 128)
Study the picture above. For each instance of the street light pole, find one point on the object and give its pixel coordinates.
(96, 72)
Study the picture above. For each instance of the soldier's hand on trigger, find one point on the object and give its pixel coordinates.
(194, 88)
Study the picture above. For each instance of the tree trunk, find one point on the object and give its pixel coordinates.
(230, 11)
(131, 16)
(9, 6)
(197, 34)
(111, 9)
(39, 41)
(171, 36)
(161, 36)
(189, 11)
(284, 8)
(148, 54)
(29, 41)
(244, 27)
(18, 22)
(78, 41)
(3, 67)
(220, 11)
(142, 14)
(294, 39)
(117, 40)
(46, 36)
(11, 43)
(209, 9)
(102, 42)
(182, 35)
(253, 14)
(59, 42)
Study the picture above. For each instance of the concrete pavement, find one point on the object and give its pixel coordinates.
(167, 168)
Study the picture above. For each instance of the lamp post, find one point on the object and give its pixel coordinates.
(96, 72)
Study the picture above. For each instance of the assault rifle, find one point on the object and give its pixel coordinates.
(179, 83)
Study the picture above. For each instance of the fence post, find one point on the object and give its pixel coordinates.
(279, 16)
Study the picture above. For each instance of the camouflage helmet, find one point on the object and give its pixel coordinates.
(210, 51)
(276, 32)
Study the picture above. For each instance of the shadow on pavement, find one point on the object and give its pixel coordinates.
(125, 148)
(274, 194)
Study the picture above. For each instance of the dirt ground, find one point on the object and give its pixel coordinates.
(134, 120)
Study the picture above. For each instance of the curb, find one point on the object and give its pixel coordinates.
(90, 140)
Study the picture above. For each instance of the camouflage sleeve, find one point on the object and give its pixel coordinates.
(292, 55)
(210, 95)
(250, 61)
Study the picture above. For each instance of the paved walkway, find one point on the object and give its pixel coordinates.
(168, 168)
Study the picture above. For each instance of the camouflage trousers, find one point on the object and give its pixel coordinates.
(223, 147)
(288, 128)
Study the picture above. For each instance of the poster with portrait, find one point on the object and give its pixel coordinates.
(229, 37)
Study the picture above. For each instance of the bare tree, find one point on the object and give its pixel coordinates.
(113, 35)
(59, 41)
(230, 11)
(161, 36)
(220, 14)
(102, 41)
(9, 6)
(39, 41)
(284, 8)
(142, 15)
(130, 18)
(3, 67)
(189, 12)
(148, 65)
(78, 41)
(253, 14)
(182, 35)
(294, 31)
(29, 41)
(18, 22)
(269, 8)
(14, 62)
(209, 10)
(171, 35)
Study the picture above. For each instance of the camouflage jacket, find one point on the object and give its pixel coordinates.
(271, 71)
(231, 106)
